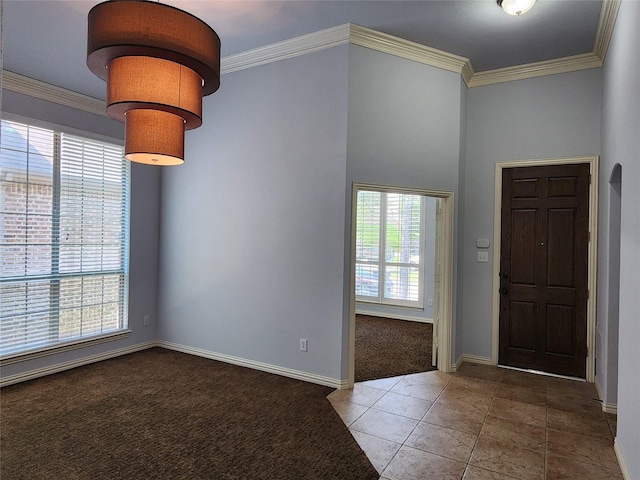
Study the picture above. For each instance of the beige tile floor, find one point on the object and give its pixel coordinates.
(481, 423)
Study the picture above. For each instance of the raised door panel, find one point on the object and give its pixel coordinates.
(543, 268)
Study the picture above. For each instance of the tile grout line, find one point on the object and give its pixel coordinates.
(368, 409)
(401, 444)
(493, 396)
(493, 399)
(468, 464)
(396, 453)
(419, 421)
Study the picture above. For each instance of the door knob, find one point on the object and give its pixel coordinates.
(504, 291)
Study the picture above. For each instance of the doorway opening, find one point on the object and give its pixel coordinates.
(390, 275)
(500, 290)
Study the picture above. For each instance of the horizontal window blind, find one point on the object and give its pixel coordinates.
(368, 245)
(389, 248)
(402, 246)
(64, 216)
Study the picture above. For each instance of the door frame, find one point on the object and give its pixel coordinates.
(592, 250)
(445, 300)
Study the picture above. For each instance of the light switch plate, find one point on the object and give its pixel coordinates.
(482, 243)
(483, 257)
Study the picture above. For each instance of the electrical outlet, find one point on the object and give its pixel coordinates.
(483, 257)
(146, 320)
(303, 344)
(430, 302)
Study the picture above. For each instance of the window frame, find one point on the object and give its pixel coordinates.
(83, 341)
(382, 263)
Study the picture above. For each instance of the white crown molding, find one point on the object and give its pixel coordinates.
(312, 42)
(51, 93)
(608, 16)
(467, 73)
(364, 37)
(385, 43)
(340, 35)
(537, 69)
(382, 42)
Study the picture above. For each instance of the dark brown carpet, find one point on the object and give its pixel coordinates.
(388, 348)
(160, 414)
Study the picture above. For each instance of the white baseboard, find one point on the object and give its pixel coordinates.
(394, 315)
(607, 407)
(476, 359)
(623, 466)
(264, 367)
(600, 395)
(456, 366)
(470, 359)
(61, 367)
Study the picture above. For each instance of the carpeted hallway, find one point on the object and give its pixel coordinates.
(387, 347)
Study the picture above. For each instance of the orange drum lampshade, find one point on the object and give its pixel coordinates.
(158, 62)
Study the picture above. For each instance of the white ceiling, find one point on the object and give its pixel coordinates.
(46, 39)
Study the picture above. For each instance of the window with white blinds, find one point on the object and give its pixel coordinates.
(389, 248)
(64, 224)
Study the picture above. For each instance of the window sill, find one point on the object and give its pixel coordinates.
(415, 308)
(63, 347)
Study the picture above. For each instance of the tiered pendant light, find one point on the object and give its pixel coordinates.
(158, 62)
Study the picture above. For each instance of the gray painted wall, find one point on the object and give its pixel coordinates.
(252, 249)
(621, 144)
(144, 230)
(547, 117)
(457, 332)
(31, 107)
(239, 277)
(608, 304)
(404, 122)
(404, 127)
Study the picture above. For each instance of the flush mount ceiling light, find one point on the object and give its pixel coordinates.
(516, 7)
(158, 62)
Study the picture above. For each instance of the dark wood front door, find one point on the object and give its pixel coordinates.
(543, 268)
